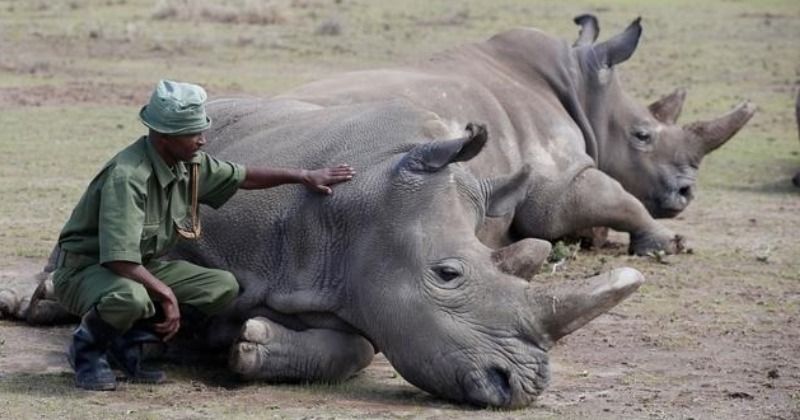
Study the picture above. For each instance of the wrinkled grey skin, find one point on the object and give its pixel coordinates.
(390, 260)
(599, 159)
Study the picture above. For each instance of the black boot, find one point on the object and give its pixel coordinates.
(87, 353)
(126, 353)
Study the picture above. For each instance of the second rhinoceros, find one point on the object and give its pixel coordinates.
(599, 159)
(389, 262)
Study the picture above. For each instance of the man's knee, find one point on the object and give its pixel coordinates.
(122, 308)
(228, 287)
(225, 288)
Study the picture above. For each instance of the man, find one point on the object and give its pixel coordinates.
(134, 211)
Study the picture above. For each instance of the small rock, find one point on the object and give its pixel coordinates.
(330, 27)
(740, 395)
(773, 374)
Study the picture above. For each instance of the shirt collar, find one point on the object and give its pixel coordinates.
(164, 173)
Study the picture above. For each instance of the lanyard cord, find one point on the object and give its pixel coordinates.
(194, 188)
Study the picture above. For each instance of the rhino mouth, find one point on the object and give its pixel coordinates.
(665, 213)
(669, 205)
(505, 387)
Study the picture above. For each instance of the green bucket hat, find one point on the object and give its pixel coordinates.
(176, 108)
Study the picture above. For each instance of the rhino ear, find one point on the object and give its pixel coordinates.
(621, 46)
(589, 31)
(503, 194)
(433, 156)
(668, 109)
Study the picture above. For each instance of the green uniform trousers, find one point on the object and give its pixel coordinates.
(121, 301)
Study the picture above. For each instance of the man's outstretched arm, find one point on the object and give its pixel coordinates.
(317, 180)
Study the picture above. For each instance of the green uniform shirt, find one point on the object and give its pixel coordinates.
(131, 208)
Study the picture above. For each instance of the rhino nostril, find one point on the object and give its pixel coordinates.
(685, 192)
(501, 380)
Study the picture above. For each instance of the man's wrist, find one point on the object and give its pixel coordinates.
(303, 176)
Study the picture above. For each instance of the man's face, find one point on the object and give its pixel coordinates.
(184, 146)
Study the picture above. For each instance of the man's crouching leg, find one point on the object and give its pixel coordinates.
(114, 310)
(87, 353)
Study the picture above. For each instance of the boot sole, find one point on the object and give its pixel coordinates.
(103, 387)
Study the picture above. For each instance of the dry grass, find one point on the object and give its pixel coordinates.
(252, 12)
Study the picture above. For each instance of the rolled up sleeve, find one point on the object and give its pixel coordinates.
(219, 180)
(121, 221)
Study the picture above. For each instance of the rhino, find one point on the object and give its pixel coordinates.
(598, 158)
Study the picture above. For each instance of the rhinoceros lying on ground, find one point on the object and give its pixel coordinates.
(390, 262)
(598, 158)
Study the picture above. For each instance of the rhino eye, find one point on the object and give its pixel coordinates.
(643, 136)
(446, 273)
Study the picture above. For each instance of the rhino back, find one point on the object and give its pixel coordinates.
(525, 113)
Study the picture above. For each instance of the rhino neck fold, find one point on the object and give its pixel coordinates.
(558, 69)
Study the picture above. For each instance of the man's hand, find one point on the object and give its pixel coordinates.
(320, 179)
(160, 292)
(172, 318)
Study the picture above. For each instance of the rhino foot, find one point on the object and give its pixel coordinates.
(9, 302)
(663, 241)
(267, 350)
(250, 353)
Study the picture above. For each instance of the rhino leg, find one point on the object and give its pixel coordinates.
(37, 307)
(267, 350)
(44, 308)
(594, 199)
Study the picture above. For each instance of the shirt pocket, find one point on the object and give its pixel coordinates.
(149, 240)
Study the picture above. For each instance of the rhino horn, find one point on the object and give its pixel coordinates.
(522, 258)
(620, 47)
(590, 29)
(567, 308)
(433, 156)
(668, 109)
(716, 132)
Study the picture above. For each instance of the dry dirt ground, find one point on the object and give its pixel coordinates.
(712, 334)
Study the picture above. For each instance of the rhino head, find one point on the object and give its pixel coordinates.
(643, 148)
(439, 304)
